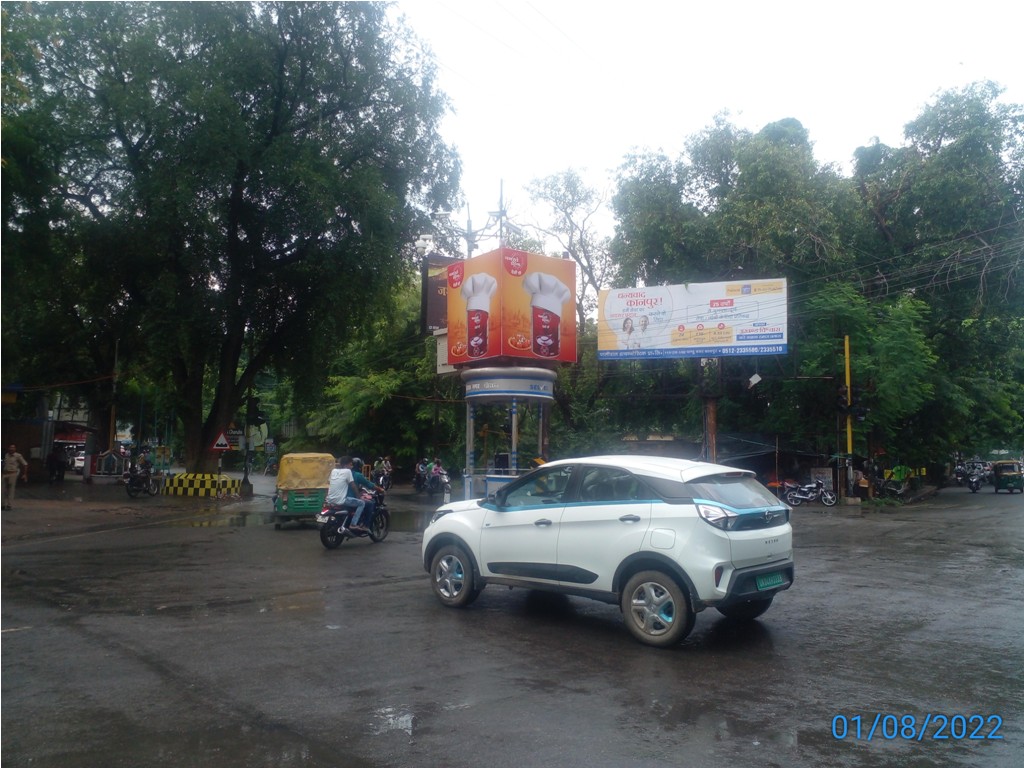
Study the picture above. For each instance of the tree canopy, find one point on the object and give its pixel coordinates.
(195, 192)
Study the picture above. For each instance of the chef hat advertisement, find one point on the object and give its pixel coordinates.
(511, 303)
(477, 291)
(548, 296)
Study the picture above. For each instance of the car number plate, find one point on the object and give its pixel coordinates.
(770, 580)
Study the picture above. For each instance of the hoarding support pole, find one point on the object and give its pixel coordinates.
(711, 429)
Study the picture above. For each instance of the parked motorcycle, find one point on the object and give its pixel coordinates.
(335, 522)
(140, 479)
(974, 481)
(816, 491)
(440, 483)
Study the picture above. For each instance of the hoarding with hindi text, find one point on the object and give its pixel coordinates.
(740, 317)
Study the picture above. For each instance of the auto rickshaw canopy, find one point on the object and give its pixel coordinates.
(304, 470)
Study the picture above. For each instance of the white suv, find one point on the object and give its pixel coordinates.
(662, 538)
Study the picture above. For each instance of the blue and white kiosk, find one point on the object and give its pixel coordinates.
(505, 385)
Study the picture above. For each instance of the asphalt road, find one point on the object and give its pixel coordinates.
(170, 632)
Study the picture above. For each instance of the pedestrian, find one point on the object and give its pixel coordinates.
(15, 466)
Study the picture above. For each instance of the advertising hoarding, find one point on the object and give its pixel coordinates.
(513, 304)
(740, 317)
(434, 274)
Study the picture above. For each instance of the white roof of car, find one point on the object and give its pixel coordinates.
(655, 466)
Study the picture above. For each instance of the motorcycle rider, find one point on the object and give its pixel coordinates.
(339, 489)
(361, 521)
(420, 481)
(435, 473)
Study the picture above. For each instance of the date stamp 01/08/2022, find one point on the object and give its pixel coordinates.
(926, 727)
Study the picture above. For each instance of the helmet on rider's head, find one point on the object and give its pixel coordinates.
(357, 464)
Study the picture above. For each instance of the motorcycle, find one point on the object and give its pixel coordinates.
(440, 483)
(139, 479)
(334, 523)
(382, 478)
(816, 491)
(974, 481)
(419, 481)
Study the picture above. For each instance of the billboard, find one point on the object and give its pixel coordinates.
(741, 317)
(512, 304)
(434, 303)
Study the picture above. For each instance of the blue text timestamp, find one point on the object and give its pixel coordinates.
(917, 727)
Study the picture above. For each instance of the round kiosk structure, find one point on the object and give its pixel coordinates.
(503, 385)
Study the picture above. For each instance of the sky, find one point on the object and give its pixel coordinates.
(539, 87)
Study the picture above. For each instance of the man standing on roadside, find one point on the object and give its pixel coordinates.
(14, 466)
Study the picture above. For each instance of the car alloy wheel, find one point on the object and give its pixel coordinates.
(656, 609)
(452, 577)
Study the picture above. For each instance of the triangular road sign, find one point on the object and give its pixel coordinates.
(221, 443)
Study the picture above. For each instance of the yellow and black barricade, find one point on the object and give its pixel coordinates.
(198, 484)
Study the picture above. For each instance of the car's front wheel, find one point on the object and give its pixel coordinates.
(746, 611)
(656, 609)
(452, 578)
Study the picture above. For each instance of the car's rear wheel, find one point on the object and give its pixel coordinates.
(656, 609)
(746, 611)
(452, 578)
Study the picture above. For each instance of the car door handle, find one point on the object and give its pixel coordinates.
(543, 523)
(629, 519)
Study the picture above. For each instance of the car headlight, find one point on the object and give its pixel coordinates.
(438, 515)
(717, 516)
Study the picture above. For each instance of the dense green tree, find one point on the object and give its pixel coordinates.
(212, 189)
(911, 257)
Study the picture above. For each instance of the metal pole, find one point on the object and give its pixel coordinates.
(470, 451)
(514, 458)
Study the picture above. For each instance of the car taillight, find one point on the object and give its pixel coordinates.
(717, 516)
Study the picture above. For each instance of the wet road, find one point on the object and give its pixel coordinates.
(207, 638)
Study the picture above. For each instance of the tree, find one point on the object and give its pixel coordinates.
(231, 185)
(573, 207)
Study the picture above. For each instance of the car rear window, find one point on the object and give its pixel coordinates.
(736, 491)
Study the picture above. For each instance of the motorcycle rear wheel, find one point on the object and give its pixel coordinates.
(152, 487)
(793, 500)
(330, 537)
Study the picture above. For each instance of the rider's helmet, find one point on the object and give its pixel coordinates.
(357, 464)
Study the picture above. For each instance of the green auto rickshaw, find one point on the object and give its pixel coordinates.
(302, 481)
(1007, 475)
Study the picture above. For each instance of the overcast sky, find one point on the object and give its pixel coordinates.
(540, 87)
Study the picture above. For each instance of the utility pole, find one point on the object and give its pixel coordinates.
(843, 491)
